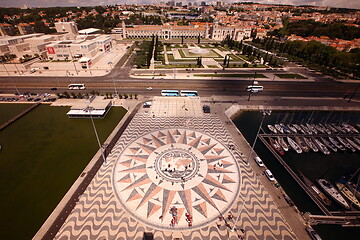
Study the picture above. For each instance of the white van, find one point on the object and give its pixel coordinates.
(259, 161)
(269, 175)
(254, 88)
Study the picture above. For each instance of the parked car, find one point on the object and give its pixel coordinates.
(206, 109)
(269, 175)
(259, 161)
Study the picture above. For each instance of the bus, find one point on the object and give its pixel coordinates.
(188, 93)
(170, 93)
(77, 86)
(254, 88)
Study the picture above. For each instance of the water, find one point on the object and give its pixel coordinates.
(312, 165)
(42, 154)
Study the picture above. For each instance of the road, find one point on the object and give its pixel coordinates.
(323, 86)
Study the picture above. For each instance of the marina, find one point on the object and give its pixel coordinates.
(325, 142)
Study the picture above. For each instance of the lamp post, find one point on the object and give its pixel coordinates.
(252, 85)
(96, 134)
(72, 59)
(10, 78)
(116, 93)
(264, 112)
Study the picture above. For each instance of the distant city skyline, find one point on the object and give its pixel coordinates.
(64, 3)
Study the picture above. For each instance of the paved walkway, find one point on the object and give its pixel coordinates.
(174, 176)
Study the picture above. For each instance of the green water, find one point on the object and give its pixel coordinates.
(9, 110)
(312, 165)
(42, 154)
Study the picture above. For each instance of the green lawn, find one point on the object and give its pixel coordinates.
(290, 75)
(179, 66)
(245, 75)
(42, 154)
(10, 110)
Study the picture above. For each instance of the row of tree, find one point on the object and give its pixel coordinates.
(251, 52)
(314, 53)
(311, 28)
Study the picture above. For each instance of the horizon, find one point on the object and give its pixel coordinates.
(92, 3)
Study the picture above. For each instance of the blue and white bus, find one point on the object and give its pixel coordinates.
(188, 93)
(77, 86)
(170, 93)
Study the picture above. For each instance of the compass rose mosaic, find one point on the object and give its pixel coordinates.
(174, 179)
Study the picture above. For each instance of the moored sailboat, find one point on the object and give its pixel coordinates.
(329, 144)
(276, 146)
(348, 194)
(301, 143)
(337, 144)
(294, 145)
(272, 128)
(333, 192)
(283, 143)
(321, 146)
(345, 143)
(311, 144)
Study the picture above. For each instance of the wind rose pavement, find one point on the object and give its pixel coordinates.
(174, 177)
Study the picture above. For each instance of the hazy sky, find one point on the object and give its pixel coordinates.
(53, 3)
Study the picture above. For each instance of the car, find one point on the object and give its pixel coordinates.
(269, 175)
(147, 104)
(53, 89)
(206, 109)
(149, 88)
(259, 161)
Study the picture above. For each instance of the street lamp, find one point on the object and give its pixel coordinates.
(264, 112)
(72, 59)
(96, 134)
(10, 78)
(252, 85)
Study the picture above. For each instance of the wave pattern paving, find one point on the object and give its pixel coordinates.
(99, 215)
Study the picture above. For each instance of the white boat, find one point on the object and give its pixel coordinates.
(331, 128)
(354, 189)
(348, 194)
(318, 128)
(349, 128)
(301, 143)
(294, 145)
(311, 144)
(326, 130)
(321, 146)
(329, 144)
(357, 140)
(345, 143)
(352, 143)
(333, 192)
(272, 128)
(311, 127)
(279, 128)
(286, 128)
(337, 144)
(283, 143)
(298, 128)
(292, 128)
(306, 129)
(338, 128)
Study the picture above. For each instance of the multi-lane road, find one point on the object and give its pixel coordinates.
(321, 87)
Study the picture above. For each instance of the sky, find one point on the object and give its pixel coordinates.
(53, 3)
